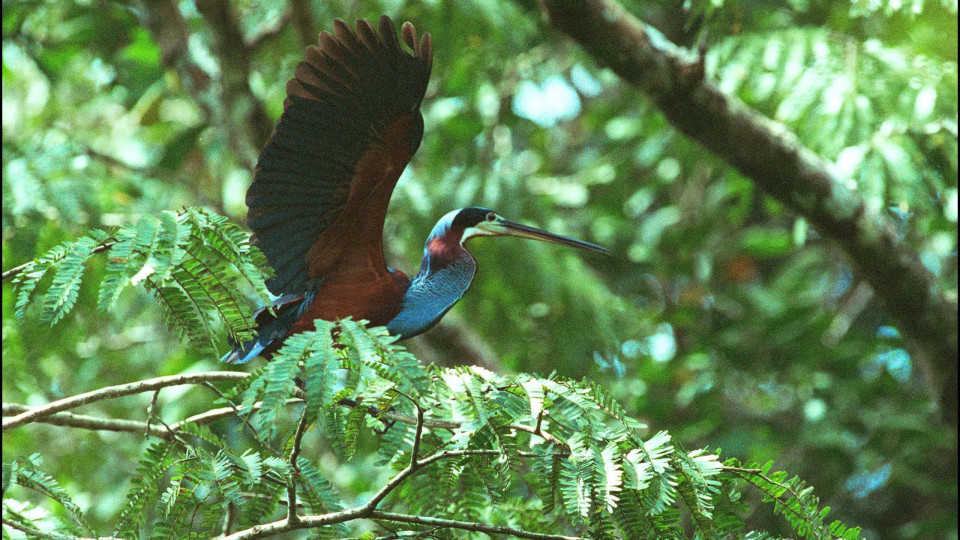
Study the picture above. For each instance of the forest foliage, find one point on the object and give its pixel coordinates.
(722, 323)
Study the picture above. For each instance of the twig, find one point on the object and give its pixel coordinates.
(17, 269)
(118, 391)
(153, 403)
(94, 423)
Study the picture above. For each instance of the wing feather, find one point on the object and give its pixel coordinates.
(350, 124)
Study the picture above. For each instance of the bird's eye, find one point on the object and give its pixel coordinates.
(491, 217)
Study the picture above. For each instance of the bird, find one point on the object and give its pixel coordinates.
(350, 124)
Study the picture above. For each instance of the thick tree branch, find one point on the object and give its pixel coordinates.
(110, 392)
(772, 157)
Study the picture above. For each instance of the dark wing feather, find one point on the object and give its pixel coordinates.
(350, 124)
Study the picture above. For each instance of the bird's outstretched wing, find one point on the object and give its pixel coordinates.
(350, 124)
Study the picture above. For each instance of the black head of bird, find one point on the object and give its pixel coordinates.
(350, 124)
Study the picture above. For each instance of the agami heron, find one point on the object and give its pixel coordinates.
(350, 124)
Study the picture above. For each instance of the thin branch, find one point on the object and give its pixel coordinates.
(266, 530)
(111, 392)
(175, 435)
(228, 519)
(93, 423)
(67, 419)
(538, 431)
(82, 421)
(153, 403)
(118, 163)
(847, 313)
(392, 484)
(223, 412)
(292, 516)
(774, 159)
(418, 435)
(467, 526)
(310, 522)
(17, 269)
(49, 535)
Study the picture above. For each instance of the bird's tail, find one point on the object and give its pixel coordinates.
(273, 325)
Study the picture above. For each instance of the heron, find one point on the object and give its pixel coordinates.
(350, 124)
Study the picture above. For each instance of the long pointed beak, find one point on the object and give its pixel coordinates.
(509, 228)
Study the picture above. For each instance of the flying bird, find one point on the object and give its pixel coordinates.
(351, 122)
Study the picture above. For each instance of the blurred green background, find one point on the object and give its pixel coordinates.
(720, 316)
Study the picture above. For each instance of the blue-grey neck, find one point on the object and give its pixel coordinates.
(446, 271)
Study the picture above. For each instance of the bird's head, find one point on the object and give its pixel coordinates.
(461, 225)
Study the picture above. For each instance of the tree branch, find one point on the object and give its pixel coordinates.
(415, 453)
(369, 509)
(94, 423)
(110, 392)
(17, 269)
(467, 526)
(292, 516)
(48, 535)
(772, 157)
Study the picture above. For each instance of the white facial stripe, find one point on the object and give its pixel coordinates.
(478, 230)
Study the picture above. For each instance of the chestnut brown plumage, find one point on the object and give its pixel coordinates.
(351, 122)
